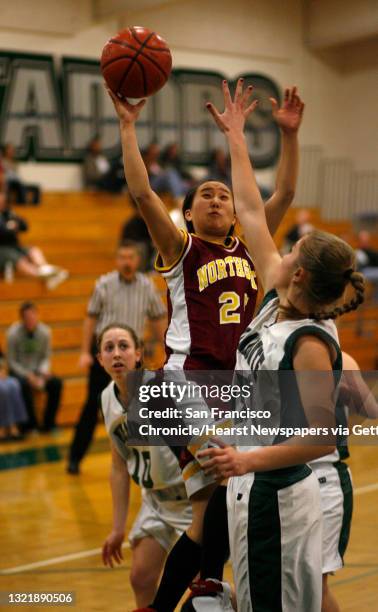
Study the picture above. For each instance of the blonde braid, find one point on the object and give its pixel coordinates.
(358, 283)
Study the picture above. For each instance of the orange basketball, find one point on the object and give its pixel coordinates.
(136, 63)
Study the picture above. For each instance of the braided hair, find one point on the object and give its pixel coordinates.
(330, 263)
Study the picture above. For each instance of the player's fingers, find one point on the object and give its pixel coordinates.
(218, 463)
(210, 466)
(296, 99)
(226, 94)
(114, 98)
(274, 104)
(211, 108)
(225, 459)
(239, 90)
(287, 95)
(251, 108)
(140, 104)
(293, 93)
(116, 556)
(218, 441)
(209, 452)
(246, 95)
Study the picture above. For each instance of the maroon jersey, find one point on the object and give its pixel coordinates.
(211, 299)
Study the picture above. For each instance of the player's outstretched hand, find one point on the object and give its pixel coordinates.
(289, 116)
(127, 113)
(236, 111)
(112, 549)
(223, 462)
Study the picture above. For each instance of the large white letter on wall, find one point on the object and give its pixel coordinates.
(31, 114)
(88, 106)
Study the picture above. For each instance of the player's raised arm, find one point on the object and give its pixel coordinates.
(248, 203)
(167, 238)
(288, 118)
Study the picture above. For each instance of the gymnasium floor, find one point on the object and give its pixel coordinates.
(53, 525)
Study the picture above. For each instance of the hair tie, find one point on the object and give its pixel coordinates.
(348, 273)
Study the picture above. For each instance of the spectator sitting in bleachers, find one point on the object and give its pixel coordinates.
(301, 227)
(26, 260)
(28, 354)
(114, 180)
(162, 180)
(171, 161)
(18, 191)
(367, 256)
(367, 259)
(219, 167)
(12, 407)
(96, 166)
(100, 174)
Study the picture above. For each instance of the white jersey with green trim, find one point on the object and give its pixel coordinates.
(267, 347)
(151, 467)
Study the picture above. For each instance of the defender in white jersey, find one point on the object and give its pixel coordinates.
(273, 496)
(270, 347)
(165, 512)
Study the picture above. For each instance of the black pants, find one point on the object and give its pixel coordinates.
(53, 390)
(98, 379)
(22, 193)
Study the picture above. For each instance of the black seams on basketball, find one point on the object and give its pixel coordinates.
(136, 63)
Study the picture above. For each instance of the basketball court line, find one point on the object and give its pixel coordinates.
(54, 560)
(354, 578)
(366, 489)
(97, 551)
(77, 570)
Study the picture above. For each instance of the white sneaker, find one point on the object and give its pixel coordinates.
(56, 279)
(47, 270)
(209, 596)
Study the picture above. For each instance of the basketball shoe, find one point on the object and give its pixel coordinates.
(209, 596)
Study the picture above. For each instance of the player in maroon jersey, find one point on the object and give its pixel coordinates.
(220, 296)
(211, 296)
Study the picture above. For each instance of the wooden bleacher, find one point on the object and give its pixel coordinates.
(80, 231)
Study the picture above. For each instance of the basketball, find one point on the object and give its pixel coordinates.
(136, 63)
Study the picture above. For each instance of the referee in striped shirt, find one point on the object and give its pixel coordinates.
(123, 296)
